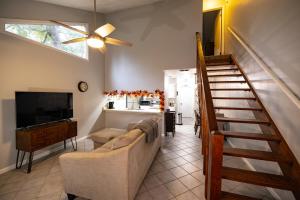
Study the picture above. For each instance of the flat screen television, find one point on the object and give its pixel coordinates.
(35, 108)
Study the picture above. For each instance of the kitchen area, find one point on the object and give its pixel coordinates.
(176, 105)
(124, 107)
(181, 95)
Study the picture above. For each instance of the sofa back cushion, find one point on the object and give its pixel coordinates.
(123, 140)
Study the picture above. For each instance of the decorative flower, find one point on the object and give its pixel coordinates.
(139, 93)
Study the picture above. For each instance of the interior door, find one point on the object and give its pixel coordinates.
(218, 33)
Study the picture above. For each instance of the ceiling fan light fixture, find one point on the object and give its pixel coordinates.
(95, 42)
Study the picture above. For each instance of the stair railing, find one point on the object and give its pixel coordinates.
(212, 139)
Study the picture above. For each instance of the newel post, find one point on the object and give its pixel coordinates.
(215, 160)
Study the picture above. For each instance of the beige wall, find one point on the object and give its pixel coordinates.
(26, 66)
(163, 37)
(271, 29)
(274, 37)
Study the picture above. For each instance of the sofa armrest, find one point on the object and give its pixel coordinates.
(94, 175)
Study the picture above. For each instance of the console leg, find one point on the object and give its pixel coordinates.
(17, 161)
(18, 166)
(22, 159)
(76, 142)
(30, 158)
(71, 196)
(74, 145)
(65, 145)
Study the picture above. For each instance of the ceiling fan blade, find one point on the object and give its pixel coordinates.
(103, 49)
(69, 27)
(117, 42)
(75, 40)
(105, 30)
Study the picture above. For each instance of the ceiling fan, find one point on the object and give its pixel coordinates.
(99, 38)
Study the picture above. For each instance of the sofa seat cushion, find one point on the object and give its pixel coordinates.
(123, 140)
(107, 134)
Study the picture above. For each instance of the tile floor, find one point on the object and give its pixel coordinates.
(176, 173)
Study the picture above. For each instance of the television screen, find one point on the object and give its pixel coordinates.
(34, 108)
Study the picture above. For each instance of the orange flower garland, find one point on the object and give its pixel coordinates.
(140, 93)
(161, 95)
(111, 93)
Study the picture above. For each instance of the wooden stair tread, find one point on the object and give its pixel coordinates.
(218, 64)
(224, 75)
(254, 154)
(252, 136)
(257, 178)
(239, 120)
(220, 70)
(227, 82)
(237, 108)
(232, 196)
(236, 98)
(230, 89)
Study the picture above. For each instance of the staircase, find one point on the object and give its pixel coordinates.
(217, 74)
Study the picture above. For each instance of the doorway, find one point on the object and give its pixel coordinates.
(180, 93)
(212, 32)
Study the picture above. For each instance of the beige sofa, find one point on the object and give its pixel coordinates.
(109, 175)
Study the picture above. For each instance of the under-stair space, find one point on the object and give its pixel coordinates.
(236, 125)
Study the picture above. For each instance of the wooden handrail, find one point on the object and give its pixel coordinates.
(212, 139)
(281, 84)
(205, 85)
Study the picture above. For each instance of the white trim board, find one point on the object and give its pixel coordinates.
(40, 155)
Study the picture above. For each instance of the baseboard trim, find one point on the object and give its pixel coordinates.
(271, 190)
(40, 155)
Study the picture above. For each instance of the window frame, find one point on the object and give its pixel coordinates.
(4, 21)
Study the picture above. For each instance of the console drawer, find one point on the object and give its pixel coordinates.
(37, 139)
(54, 134)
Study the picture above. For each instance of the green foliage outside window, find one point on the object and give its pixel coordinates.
(51, 35)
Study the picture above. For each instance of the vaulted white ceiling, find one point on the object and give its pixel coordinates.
(103, 6)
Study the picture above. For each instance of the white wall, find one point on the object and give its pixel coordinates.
(186, 93)
(26, 66)
(272, 29)
(163, 37)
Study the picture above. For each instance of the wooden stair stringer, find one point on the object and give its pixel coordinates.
(280, 151)
(281, 148)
